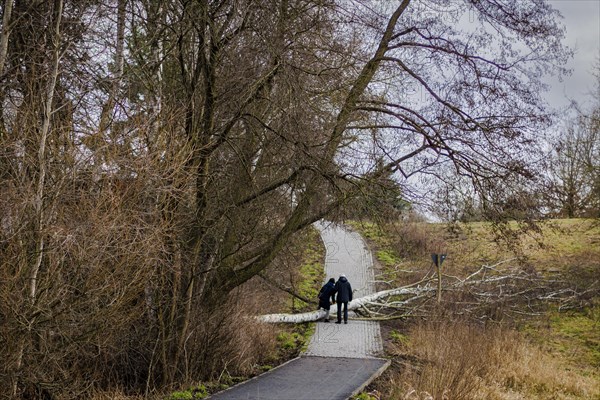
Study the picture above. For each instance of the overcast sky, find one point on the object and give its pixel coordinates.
(582, 20)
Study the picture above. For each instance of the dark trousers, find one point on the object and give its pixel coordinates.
(339, 311)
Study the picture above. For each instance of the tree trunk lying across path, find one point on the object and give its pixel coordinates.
(415, 290)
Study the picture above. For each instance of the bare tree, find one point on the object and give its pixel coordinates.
(573, 169)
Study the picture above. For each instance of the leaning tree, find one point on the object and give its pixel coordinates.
(271, 115)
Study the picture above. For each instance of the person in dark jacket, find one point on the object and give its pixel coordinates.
(343, 289)
(325, 293)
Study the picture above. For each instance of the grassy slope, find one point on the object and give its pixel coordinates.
(564, 249)
(555, 356)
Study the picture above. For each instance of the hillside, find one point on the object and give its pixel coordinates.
(542, 344)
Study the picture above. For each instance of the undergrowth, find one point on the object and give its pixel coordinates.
(267, 346)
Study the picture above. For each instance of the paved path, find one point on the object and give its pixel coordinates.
(308, 378)
(340, 359)
(347, 254)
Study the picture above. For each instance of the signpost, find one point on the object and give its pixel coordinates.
(438, 259)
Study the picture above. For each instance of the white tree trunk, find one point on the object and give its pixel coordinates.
(355, 304)
(41, 181)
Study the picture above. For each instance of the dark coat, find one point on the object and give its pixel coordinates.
(343, 290)
(325, 293)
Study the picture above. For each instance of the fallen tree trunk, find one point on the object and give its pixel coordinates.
(293, 318)
(415, 290)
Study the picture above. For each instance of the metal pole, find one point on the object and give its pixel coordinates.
(439, 282)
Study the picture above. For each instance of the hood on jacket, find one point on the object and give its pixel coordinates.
(343, 279)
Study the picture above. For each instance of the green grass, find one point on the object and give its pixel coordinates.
(370, 231)
(309, 330)
(577, 335)
(381, 243)
(290, 340)
(573, 337)
(398, 337)
(560, 243)
(388, 257)
(198, 392)
(312, 277)
(295, 339)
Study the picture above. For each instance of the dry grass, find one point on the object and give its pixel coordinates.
(458, 360)
(552, 356)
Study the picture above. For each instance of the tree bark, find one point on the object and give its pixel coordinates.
(5, 34)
